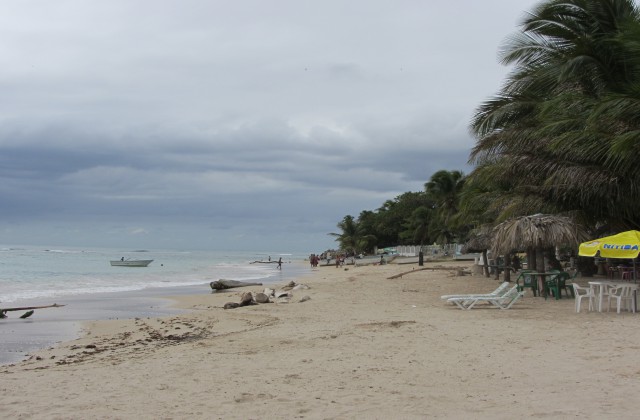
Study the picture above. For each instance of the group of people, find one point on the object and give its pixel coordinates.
(314, 260)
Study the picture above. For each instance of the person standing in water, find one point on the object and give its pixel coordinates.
(280, 263)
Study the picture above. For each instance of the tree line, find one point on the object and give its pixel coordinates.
(561, 136)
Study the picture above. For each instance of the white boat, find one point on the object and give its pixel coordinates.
(130, 263)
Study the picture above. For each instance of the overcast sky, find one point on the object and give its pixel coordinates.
(239, 124)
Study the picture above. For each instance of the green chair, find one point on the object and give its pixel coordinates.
(556, 284)
(569, 283)
(528, 280)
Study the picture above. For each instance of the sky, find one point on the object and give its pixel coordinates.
(233, 124)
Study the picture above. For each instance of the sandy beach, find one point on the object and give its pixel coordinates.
(362, 346)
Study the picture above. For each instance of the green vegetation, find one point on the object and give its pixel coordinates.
(562, 136)
(411, 218)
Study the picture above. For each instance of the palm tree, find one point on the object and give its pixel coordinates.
(349, 237)
(419, 224)
(366, 230)
(353, 239)
(444, 188)
(564, 131)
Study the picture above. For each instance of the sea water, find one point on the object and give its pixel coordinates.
(83, 280)
(45, 272)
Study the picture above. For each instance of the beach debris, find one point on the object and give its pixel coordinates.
(245, 299)
(222, 284)
(436, 267)
(304, 298)
(268, 295)
(3, 311)
(289, 285)
(262, 298)
(26, 314)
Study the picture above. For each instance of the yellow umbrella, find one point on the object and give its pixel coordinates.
(622, 245)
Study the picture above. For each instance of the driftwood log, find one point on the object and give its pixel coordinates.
(267, 296)
(261, 298)
(436, 267)
(3, 311)
(223, 284)
(245, 299)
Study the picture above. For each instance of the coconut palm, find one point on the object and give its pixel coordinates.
(418, 224)
(353, 238)
(444, 188)
(564, 131)
(349, 237)
(367, 231)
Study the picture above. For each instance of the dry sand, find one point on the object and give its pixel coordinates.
(363, 346)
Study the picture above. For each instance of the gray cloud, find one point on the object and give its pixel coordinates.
(232, 123)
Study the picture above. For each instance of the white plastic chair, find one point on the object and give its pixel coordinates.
(584, 292)
(623, 295)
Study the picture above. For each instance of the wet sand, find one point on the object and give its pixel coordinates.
(46, 327)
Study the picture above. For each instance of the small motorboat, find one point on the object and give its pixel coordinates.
(130, 263)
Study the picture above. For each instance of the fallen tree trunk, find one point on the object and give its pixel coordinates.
(3, 311)
(437, 267)
(229, 284)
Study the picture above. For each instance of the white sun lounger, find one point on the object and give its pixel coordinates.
(499, 291)
(504, 301)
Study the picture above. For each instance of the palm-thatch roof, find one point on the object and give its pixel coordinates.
(479, 241)
(538, 230)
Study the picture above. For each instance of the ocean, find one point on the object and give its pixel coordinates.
(41, 272)
(83, 280)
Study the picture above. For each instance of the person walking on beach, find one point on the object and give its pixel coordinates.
(280, 263)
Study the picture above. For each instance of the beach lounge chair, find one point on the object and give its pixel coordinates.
(496, 292)
(468, 298)
(504, 301)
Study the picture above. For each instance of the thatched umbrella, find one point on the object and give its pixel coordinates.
(534, 233)
(480, 241)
